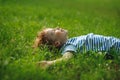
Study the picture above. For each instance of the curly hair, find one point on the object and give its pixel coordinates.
(42, 39)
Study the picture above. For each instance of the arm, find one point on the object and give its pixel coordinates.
(65, 57)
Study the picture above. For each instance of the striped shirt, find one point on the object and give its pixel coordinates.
(91, 42)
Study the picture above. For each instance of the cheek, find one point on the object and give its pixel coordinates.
(58, 33)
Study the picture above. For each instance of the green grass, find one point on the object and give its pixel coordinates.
(20, 20)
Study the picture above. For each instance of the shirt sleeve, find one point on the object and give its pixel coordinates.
(69, 48)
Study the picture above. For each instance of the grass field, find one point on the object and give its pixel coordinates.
(20, 20)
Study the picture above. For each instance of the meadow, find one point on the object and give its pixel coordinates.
(20, 20)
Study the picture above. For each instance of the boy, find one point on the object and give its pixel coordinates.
(57, 37)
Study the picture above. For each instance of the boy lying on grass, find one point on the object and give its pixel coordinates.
(57, 37)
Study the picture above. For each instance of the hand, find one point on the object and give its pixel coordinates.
(44, 64)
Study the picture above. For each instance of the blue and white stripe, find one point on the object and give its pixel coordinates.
(93, 42)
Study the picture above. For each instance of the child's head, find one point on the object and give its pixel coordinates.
(51, 36)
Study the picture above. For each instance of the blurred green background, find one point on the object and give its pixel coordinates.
(20, 20)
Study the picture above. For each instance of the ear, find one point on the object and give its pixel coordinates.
(57, 43)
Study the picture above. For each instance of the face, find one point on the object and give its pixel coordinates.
(56, 34)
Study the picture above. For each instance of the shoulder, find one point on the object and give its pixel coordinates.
(68, 48)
